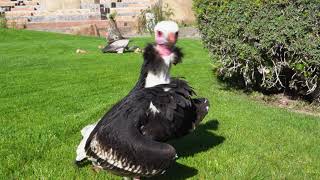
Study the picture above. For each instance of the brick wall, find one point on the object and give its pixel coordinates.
(86, 17)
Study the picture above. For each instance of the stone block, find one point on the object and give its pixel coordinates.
(65, 18)
(71, 4)
(7, 4)
(31, 3)
(10, 14)
(21, 8)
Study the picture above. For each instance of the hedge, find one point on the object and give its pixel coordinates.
(270, 46)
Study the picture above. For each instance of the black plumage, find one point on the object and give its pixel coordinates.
(178, 113)
(130, 138)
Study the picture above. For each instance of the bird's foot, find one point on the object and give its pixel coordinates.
(96, 168)
(202, 105)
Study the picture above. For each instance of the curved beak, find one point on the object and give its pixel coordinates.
(172, 38)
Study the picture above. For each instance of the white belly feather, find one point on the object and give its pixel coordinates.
(85, 132)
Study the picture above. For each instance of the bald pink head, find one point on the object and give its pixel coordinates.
(166, 36)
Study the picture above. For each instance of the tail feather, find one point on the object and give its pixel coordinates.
(202, 107)
(85, 132)
(131, 153)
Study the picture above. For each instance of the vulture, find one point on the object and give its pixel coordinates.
(130, 139)
(117, 46)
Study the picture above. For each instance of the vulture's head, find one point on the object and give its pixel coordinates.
(166, 36)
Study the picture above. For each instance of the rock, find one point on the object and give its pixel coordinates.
(284, 102)
(81, 51)
(138, 50)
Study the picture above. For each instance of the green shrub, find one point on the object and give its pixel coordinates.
(161, 12)
(3, 22)
(271, 46)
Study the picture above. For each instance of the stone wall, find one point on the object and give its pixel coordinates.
(53, 5)
(182, 10)
(70, 16)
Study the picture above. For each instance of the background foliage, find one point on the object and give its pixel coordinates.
(271, 46)
(3, 22)
(161, 12)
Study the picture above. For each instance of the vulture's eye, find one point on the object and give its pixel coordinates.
(159, 33)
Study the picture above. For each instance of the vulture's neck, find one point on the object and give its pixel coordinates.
(155, 69)
(162, 76)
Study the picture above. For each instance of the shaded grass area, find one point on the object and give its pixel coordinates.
(48, 93)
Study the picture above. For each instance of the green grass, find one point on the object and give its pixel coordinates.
(48, 93)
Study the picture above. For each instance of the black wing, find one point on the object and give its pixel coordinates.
(172, 112)
(117, 145)
(127, 139)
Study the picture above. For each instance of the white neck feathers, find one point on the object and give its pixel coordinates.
(162, 77)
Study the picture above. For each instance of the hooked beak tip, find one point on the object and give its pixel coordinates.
(172, 39)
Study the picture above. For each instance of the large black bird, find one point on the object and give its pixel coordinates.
(129, 138)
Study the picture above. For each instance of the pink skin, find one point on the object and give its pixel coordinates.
(163, 50)
(165, 44)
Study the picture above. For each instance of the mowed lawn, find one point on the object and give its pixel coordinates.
(48, 93)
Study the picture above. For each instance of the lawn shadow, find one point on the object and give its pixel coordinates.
(81, 164)
(177, 171)
(202, 139)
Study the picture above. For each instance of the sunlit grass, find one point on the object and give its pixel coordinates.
(48, 93)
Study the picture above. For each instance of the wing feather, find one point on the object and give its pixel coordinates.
(120, 147)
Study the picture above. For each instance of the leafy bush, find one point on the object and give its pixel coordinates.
(3, 22)
(271, 46)
(160, 11)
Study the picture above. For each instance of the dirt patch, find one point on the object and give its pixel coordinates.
(189, 32)
(283, 101)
